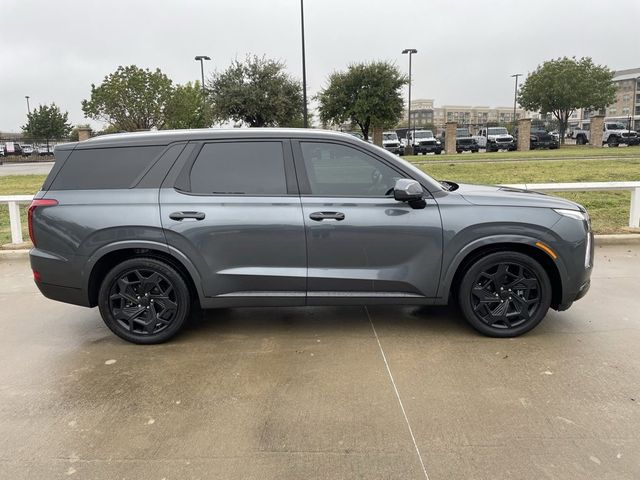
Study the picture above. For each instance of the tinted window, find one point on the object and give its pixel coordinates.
(340, 170)
(104, 168)
(249, 168)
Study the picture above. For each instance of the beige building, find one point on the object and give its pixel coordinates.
(423, 112)
(625, 109)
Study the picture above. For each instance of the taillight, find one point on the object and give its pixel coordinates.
(43, 202)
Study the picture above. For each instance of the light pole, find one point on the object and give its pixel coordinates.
(201, 59)
(515, 99)
(304, 69)
(409, 148)
(28, 107)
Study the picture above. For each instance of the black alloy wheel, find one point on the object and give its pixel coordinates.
(505, 294)
(144, 300)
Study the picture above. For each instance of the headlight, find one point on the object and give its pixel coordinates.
(437, 142)
(572, 214)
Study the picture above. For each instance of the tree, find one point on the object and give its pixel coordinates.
(188, 107)
(561, 86)
(257, 92)
(47, 122)
(130, 99)
(367, 95)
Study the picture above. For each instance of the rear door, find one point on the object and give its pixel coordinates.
(361, 243)
(235, 211)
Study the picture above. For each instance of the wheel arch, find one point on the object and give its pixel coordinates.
(106, 258)
(465, 259)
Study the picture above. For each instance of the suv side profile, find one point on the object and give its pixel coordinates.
(147, 226)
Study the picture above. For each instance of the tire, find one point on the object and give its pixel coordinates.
(151, 282)
(580, 140)
(438, 152)
(482, 301)
(612, 141)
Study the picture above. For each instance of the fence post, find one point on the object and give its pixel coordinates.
(634, 210)
(14, 221)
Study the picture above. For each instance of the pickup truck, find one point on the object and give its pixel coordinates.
(495, 138)
(423, 141)
(391, 143)
(614, 134)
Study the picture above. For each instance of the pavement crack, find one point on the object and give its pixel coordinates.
(395, 389)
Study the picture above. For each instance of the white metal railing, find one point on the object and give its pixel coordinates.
(634, 211)
(14, 201)
(634, 187)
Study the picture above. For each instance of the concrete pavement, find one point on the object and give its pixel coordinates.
(24, 168)
(334, 393)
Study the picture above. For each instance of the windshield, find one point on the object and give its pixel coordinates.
(424, 134)
(615, 126)
(497, 131)
(462, 132)
(390, 136)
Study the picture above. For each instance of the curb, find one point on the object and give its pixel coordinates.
(617, 239)
(600, 241)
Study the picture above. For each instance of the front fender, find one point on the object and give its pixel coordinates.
(449, 271)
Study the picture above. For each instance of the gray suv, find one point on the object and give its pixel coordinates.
(149, 226)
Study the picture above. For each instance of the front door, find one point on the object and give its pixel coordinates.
(235, 212)
(360, 241)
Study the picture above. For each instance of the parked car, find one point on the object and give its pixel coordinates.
(147, 226)
(12, 148)
(1, 150)
(614, 134)
(464, 141)
(423, 141)
(27, 150)
(493, 139)
(540, 138)
(43, 150)
(391, 143)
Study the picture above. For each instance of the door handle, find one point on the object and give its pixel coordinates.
(179, 216)
(319, 216)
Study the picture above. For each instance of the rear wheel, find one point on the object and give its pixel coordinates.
(144, 300)
(505, 294)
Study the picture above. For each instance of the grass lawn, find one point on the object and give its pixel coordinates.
(568, 152)
(609, 210)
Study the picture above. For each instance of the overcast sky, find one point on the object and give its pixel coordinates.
(467, 49)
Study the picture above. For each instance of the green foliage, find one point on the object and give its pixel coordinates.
(130, 99)
(188, 107)
(257, 92)
(367, 95)
(47, 122)
(561, 86)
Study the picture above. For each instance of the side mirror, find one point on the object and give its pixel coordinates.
(407, 190)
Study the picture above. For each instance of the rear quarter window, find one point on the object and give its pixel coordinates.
(105, 168)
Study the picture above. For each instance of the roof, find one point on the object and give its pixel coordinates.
(165, 137)
(629, 74)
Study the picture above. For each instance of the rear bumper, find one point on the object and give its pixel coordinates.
(61, 278)
(74, 296)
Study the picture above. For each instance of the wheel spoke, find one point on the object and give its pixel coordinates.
(484, 296)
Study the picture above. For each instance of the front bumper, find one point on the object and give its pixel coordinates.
(631, 141)
(429, 148)
(397, 150)
(495, 146)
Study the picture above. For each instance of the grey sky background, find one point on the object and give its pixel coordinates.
(467, 49)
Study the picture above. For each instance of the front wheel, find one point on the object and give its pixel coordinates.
(144, 300)
(612, 141)
(505, 294)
